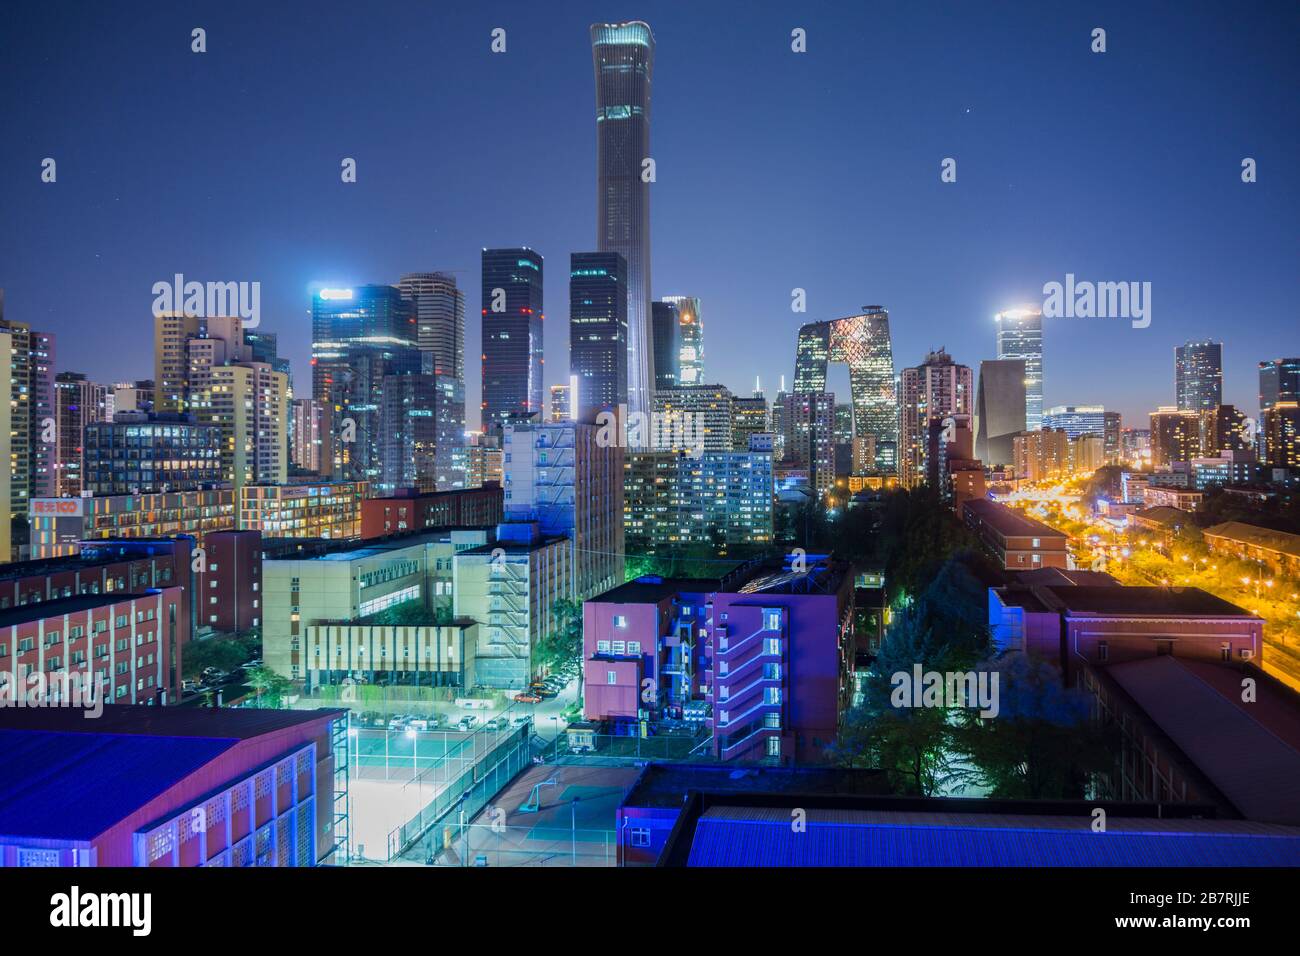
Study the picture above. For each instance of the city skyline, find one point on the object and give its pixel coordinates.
(745, 273)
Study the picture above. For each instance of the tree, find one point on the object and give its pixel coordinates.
(1043, 743)
(267, 683)
(560, 650)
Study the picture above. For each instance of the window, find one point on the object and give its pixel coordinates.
(634, 647)
(1038, 542)
(602, 647)
(611, 677)
(620, 647)
(1225, 652)
(620, 620)
(771, 619)
(640, 836)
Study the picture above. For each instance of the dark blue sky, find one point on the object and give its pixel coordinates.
(775, 170)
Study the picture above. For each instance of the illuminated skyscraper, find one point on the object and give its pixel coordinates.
(861, 342)
(1198, 376)
(1020, 336)
(623, 57)
(598, 331)
(936, 389)
(690, 355)
(512, 336)
(439, 318)
(1279, 381)
(666, 331)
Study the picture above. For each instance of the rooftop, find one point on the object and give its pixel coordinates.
(41, 610)
(1260, 537)
(666, 784)
(1008, 521)
(63, 776)
(1140, 601)
(652, 588)
(1250, 752)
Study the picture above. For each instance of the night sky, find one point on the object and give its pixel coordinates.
(775, 170)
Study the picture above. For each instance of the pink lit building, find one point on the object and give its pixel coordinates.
(763, 659)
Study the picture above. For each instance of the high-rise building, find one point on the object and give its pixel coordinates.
(422, 434)
(1223, 429)
(862, 342)
(1076, 420)
(1279, 381)
(31, 459)
(1175, 435)
(748, 418)
(440, 319)
(623, 57)
(512, 336)
(719, 499)
(77, 403)
(936, 389)
(249, 403)
(1280, 431)
(134, 396)
(810, 436)
(309, 448)
(691, 419)
(6, 445)
(690, 355)
(598, 331)
(140, 453)
(562, 477)
(171, 359)
(359, 336)
(1000, 409)
(1198, 376)
(1041, 455)
(1020, 336)
(486, 460)
(562, 403)
(666, 331)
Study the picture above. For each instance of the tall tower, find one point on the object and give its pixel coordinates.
(623, 56)
(512, 336)
(862, 343)
(598, 331)
(1020, 336)
(1198, 376)
(440, 319)
(932, 391)
(690, 356)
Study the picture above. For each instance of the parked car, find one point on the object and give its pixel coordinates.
(467, 722)
(497, 723)
(398, 722)
(521, 720)
(212, 677)
(528, 697)
(419, 723)
(547, 694)
(257, 662)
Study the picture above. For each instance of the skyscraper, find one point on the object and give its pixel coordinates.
(861, 342)
(666, 331)
(934, 390)
(512, 336)
(250, 405)
(359, 336)
(422, 436)
(623, 60)
(690, 356)
(77, 403)
(1175, 435)
(440, 319)
(1020, 336)
(1000, 410)
(31, 414)
(598, 331)
(1279, 381)
(1198, 376)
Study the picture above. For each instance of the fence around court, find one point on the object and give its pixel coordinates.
(465, 776)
